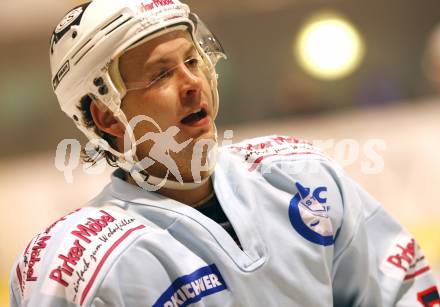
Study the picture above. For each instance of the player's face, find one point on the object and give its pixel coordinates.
(181, 97)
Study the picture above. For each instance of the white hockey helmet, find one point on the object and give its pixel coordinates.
(88, 41)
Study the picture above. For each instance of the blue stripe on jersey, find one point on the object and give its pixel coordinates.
(192, 288)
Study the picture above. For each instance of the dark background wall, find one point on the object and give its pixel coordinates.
(261, 78)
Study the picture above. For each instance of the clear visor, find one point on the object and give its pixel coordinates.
(207, 41)
(193, 66)
(199, 62)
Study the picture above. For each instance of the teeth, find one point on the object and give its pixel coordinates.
(200, 110)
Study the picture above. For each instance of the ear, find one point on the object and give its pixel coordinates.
(105, 120)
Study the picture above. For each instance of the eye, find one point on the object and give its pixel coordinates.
(192, 62)
(162, 74)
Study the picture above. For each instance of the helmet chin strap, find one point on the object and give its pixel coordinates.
(185, 186)
(142, 177)
(152, 183)
(175, 185)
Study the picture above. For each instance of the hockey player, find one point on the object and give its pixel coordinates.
(275, 223)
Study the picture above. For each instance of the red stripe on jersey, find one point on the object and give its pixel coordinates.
(417, 273)
(104, 258)
(20, 279)
(261, 158)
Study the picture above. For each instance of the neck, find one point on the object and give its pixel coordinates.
(189, 197)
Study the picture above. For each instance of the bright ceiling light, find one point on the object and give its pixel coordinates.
(329, 47)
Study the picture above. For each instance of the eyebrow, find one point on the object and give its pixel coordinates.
(165, 60)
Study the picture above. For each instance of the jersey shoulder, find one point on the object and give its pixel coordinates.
(66, 261)
(259, 151)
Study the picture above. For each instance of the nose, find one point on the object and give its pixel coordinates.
(190, 85)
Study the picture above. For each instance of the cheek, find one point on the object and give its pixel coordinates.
(130, 106)
(158, 104)
(162, 106)
(206, 90)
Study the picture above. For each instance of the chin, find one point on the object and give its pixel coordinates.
(204, 133)
(210, 133)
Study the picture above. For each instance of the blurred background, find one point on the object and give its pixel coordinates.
(328, 71)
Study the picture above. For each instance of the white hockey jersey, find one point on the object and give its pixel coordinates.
(309, 236)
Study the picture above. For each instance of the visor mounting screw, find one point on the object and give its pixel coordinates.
(74, 34)
(75, 118)
(103, 90)
(98, 81)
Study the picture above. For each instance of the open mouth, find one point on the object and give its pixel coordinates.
(195, 117)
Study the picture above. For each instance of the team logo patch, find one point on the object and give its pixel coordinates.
(404, 260)
(68, 19)
(71, 19)
(308, 214)
(192, 288)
